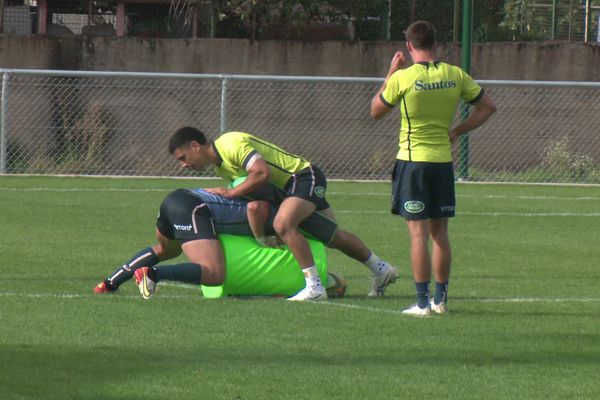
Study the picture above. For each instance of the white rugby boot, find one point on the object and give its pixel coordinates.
(381, 282)
(417, 311)
(441, 308)
(310, 293)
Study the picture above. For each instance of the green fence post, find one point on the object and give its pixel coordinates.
(463, 155)
(387, 17)
(4, 124)
(456, 21)
(223, 121)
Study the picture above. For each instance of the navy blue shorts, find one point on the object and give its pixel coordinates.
(423, 190)
(309, 184)
(185, 217)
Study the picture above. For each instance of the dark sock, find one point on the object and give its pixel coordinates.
(145, 258)
(188, 273)
(422, 294)
(441, 292)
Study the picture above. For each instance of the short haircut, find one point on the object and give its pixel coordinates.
(421, 35)
(184, 137)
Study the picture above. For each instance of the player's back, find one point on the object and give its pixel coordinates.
(229, 215)
(428, 109)
(432, 99)
(236, 148)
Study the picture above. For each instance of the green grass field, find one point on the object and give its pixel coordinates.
(524, 319)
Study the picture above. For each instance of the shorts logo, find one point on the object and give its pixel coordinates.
(320, 192)
(447, 209)
(414, 206)
(182, 227)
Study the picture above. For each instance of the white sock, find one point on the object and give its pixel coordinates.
(375, 264)
(311, 275)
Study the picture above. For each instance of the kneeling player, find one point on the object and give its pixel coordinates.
(189, 221)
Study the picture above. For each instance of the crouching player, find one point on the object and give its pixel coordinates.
(189, 221)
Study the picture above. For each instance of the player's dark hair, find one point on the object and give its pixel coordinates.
(421, 35)
(184, 136)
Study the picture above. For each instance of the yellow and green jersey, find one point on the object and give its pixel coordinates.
(428, 94)
(236, 149)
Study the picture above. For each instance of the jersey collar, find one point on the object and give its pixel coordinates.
(219, 158)
(426, 63)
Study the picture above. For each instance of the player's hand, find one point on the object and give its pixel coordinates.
(269, 241)
(397, 62)
(453, 136)
(220, 191)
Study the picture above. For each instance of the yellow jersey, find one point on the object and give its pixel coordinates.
(236, 149)
(428, 94)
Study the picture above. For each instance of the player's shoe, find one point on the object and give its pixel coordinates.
(381, 282)
(145, 283)
(102, 287)
(310, 293)
(417, 311)
(441, 308)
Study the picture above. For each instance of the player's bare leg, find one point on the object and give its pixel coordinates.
(441, 260)
(207, 253)
(292, 211)
(351, 245)
(419, 232)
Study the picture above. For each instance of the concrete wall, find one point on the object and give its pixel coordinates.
(539, 61)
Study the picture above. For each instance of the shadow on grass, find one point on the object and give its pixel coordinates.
(56, 372)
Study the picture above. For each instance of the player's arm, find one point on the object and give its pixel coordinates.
(258, 175)
(379, 107)
(483, 108)
(248, 162)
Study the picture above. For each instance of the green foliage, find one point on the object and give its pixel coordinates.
(83, 130)
(295, 19)
(88, 138)
(561, 160)
(521, 21)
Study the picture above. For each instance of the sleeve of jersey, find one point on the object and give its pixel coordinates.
(237, 152)
(390, 96)
(471, 91)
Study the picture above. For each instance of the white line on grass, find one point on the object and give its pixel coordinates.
(503, 196)
(485, 214)
(476, 196)
(343, 211)
(536, 300)
(79, 296)
(369, 194)
(48, 189)
(517, 214)
(356, 307)
(329, 303)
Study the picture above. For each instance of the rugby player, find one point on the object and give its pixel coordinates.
(237, 154)
(189, 220)
(427, 94)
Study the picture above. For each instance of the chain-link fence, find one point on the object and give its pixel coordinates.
(59, 122)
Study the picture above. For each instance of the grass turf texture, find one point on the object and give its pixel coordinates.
(523, 322)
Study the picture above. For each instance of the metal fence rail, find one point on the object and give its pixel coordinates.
(113, 123)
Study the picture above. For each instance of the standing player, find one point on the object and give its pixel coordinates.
(237, 154)
(428, 93)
